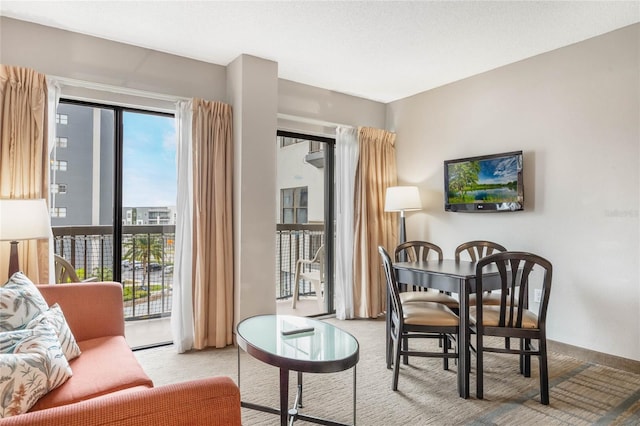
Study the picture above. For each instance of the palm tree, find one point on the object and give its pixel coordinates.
(142, 249)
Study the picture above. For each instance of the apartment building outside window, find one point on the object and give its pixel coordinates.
(159, 217)
(61, 142)
(287, 141)
(315, 146)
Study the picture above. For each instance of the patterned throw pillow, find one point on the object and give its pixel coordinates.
(20, 302)
(55, 317)
(21, 384)
(31, 364)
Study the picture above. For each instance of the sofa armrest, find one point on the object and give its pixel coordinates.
(213, 401)
(91, 309)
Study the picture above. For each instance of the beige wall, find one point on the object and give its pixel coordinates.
(575, 114)
(313, 103)
(71, 55)
(253, 91)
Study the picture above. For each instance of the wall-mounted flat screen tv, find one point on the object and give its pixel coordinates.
(487, 183)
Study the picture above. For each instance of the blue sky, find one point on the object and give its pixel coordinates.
(149, 160)
(499, 170)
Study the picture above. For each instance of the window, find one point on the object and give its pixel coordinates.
(59, 212)
(159, 217)
(294, 203)
(315, 146)
(287, 141)
(58, 188)
(59, 165)
(62, 119)
(61, 142)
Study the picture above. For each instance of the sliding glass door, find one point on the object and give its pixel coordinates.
(113, 196)
(305, 230)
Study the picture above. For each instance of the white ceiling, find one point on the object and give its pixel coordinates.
(379, 50)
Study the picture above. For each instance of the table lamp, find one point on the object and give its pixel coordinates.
(22, 220)
(402, 199)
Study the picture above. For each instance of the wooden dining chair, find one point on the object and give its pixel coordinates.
(415, 320)
(474, 251)
(414, 251)
(519, 272)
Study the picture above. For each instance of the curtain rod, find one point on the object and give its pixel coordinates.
(116, 89)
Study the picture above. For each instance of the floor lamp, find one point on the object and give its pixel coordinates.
(22, 220)
(402, 199)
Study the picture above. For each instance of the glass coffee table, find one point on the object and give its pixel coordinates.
(300, 344)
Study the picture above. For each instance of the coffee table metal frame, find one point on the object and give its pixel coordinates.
(300, 365)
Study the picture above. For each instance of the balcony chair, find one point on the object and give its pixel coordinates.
(510, 320)
(66, 273)
(315, 276)
(415, 320)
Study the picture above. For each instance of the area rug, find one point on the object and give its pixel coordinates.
(580, 393)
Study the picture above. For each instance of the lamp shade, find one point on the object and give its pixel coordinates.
(24, 220)
(402, 199)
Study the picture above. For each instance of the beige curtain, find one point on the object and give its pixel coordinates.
(24, 157)
(212, 224)
(376, 171)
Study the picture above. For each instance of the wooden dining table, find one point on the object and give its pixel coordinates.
(454, 276)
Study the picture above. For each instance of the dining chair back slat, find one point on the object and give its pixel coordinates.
(474, 251)
(414, 251)
(478, 249)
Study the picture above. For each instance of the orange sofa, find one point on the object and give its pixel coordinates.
(108, 385)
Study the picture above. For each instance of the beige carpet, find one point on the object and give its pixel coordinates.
(581, 394)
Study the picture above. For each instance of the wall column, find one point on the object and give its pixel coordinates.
(252, 90)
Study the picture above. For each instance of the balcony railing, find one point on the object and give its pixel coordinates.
(148, 254)
(295, 242)
(147, 267)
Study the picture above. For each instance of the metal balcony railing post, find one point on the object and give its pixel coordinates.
(73, 251)
(164, 248)
(85, 252)
(133, 276)
(146, 271)
(101, 239)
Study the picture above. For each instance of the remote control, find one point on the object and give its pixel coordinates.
(297, 331)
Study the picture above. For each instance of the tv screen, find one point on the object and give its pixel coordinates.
(487, 183)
